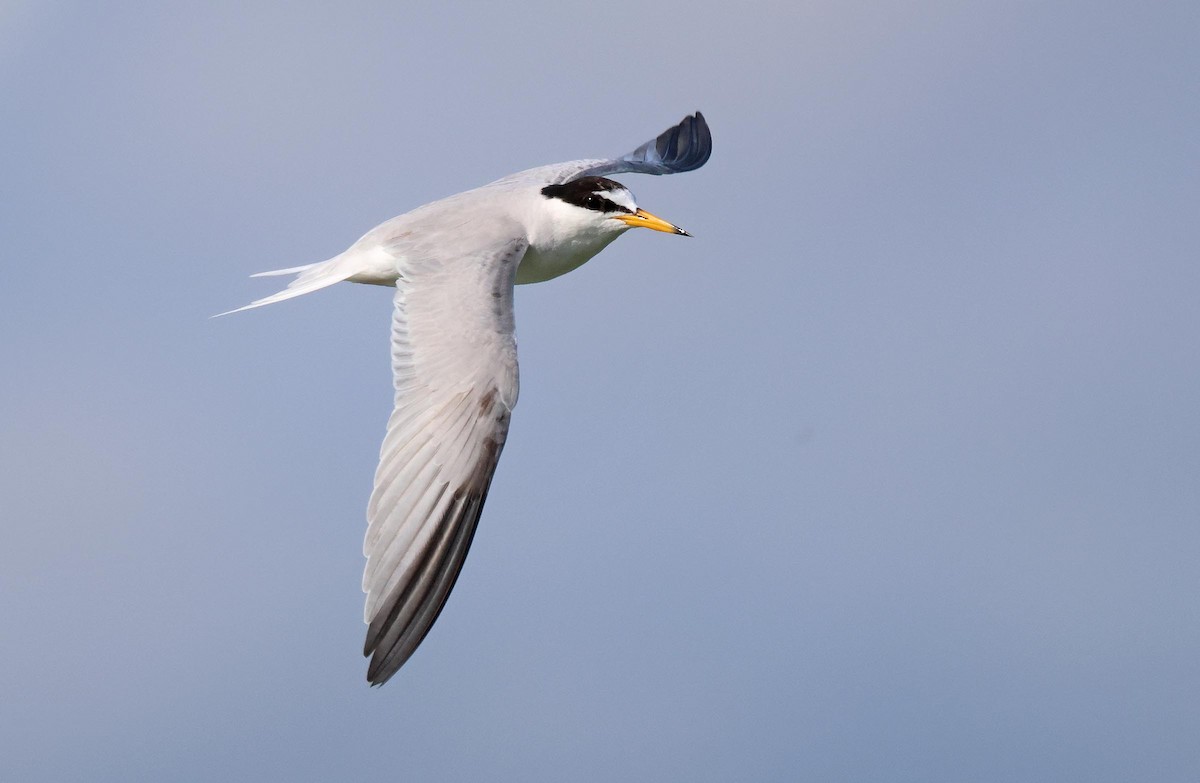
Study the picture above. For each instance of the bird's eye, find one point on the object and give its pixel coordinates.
(593, 202)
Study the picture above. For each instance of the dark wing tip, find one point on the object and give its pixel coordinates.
(395, 634)
(411, 610)
(683, 147)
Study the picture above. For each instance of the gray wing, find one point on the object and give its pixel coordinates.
(454, 363)
(683, 147)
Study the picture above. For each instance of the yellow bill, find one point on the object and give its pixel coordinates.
(643, 219)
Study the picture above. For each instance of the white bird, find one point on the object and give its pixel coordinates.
(453, 263)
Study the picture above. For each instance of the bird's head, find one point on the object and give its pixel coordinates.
(597, 204)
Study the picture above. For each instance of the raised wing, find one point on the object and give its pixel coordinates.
(455, 366)
(683, 147)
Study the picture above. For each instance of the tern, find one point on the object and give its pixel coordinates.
(454, 263)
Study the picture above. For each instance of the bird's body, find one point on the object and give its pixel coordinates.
(554, 249)
(454, 263)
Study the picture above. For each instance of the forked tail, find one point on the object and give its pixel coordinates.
(309, 278)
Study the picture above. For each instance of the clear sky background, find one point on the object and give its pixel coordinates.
(891, 474)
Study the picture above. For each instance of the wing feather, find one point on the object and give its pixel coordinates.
(455, 371)
(682, 147)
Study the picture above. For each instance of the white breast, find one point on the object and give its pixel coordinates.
(547, 263)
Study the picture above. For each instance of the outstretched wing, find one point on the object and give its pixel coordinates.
(680, 148)
(454, 361)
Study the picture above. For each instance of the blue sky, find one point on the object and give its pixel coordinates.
(889, 474)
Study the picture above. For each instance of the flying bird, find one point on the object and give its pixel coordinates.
(454, 263)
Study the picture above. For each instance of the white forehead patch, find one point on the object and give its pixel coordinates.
(620, 196)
